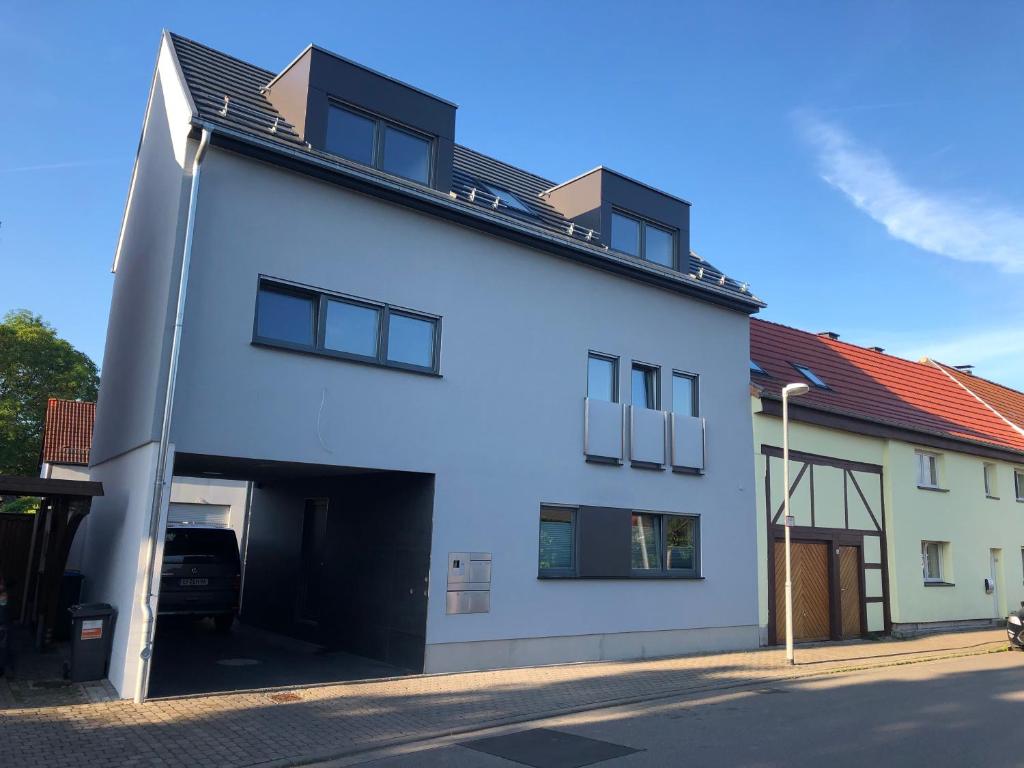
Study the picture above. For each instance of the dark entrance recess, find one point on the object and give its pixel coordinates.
(334, 582)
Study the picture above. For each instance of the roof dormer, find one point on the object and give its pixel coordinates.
(348, 110)
(631, 217)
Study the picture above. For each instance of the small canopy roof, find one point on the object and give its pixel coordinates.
(18, 485)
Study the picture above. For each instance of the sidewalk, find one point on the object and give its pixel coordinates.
(308, 724)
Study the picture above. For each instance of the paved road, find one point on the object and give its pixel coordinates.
(957, 712)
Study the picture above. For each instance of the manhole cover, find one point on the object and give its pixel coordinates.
(237, 662)
(284, 698)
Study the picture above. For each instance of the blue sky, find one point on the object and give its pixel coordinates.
(859, 164)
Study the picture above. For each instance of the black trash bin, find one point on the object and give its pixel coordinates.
(70, 594)
(92, 629)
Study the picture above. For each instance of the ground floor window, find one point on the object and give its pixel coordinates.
(603, 542)
(932, 555)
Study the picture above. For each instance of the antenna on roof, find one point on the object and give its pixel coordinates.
(224, 110)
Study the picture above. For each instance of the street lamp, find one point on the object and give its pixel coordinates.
(790, 390)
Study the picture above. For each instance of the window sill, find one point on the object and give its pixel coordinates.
(286, 347)
(635, 577)
(1020, 501)
(994, 498)
(939, 584)
(933, 488)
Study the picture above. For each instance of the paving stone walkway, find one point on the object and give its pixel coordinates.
(304, 725)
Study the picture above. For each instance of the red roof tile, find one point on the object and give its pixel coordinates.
(874, 386)
(67, 433)
(1008, 402)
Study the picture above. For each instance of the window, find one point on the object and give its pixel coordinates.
(557, 540)
(644, 239)
(989, 473)
(410, 340)
(927, 470)
(811, 376)
(347, 327)
(644, 385)
(373, 141)
(602, 377)
(663, 544)
(684, 394)
(406, 155)
(932, 553)
(1018, 484)
(286, 317)
(646, 542)
(508, 199)
(352, 328)
(755, 368)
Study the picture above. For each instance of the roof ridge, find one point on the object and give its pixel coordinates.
(836, 341)
(948, 372)
(976, 376)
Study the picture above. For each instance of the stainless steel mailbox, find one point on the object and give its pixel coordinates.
(469, 582)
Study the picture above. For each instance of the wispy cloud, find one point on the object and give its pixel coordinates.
(961, 227)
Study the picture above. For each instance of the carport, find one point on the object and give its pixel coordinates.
(334, 581)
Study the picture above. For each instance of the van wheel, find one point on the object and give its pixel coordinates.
(223, 622)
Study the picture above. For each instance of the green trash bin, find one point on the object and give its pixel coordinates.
(92, 629)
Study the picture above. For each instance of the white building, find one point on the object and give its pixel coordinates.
(489, 420)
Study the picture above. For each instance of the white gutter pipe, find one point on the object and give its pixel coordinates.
(162, 486)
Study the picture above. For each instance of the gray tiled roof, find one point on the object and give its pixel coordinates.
(229, 92)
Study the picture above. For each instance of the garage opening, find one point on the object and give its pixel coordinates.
(331, 578)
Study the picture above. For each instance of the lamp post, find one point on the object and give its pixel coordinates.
(790, 390)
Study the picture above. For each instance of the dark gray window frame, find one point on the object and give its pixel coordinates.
(378, 139)
(657, 381)
(321, 296)
(662, 574)
(644, 224)
(693, 377)
(614, 360)
(665, 572)
(561, 573)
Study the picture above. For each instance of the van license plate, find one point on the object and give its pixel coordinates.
(194, 582)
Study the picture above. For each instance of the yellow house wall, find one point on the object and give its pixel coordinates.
(963, 516)
(971, 523)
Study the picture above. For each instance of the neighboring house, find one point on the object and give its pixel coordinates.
(67, 439)
(1007, 402)
(472, 401)
(902, 492)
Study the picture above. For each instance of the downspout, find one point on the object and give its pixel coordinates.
(162, 484)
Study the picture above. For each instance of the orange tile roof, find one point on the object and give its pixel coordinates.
(1009, 403)
(871, 385)
(67, 432)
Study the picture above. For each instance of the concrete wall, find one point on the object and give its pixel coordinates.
(501, 428)
(142, 308)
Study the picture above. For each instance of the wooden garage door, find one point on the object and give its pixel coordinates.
(810, 591)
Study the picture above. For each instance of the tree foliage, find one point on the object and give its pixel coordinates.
(35, 364)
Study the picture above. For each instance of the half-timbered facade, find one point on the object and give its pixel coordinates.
(900, 520)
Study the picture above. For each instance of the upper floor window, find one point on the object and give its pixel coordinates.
(932, 555)
(811, 376)
(641, 238)
(644, 386)
(343, 326)
(927, 469)
(371, 140)
(1018, 483)
(602, 377)
(684, 394)
(989, 473)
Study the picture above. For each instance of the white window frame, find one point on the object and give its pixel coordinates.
(990, 475)
(930, 460)
(941, 546)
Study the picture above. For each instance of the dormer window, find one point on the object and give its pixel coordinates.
(644, 239)
(374, 141)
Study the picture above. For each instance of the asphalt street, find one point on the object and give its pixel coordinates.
(959, 712)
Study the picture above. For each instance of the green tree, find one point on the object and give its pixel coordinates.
(35, 364)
